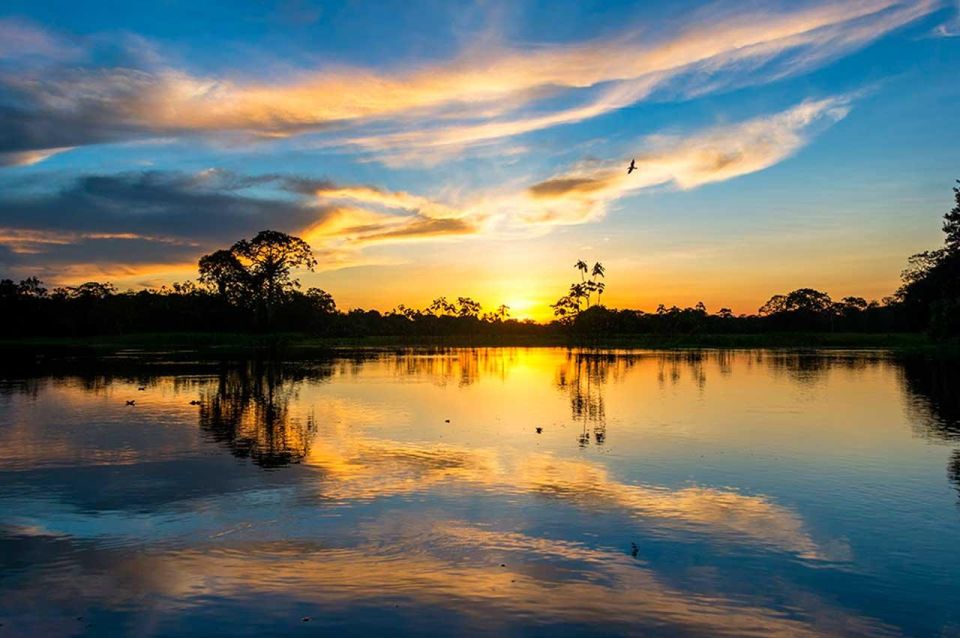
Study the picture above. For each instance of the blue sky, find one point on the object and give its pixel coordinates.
(438, 148)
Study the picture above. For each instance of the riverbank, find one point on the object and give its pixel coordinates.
(297, 345)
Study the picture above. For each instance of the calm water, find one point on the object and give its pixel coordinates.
(746, 493)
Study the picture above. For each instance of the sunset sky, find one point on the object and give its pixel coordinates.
(480, 148)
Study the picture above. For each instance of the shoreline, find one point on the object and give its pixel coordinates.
(292, 344)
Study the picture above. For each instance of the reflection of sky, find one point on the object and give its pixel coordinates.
(753, 487)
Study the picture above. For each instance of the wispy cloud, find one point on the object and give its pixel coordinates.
(715, 155)
(951, 27)
(149, 217)
(477, 98)
(29, 158)
(20, 40)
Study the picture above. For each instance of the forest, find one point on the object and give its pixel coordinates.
(251, 287)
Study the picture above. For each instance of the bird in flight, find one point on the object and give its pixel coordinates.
(632, 167)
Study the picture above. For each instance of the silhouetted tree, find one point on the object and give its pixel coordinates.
(568, 306)
(321, 300)
(258, 269)
(222, 271)
(467, 307)
(441, 307)
(951, 223)
(931, 283)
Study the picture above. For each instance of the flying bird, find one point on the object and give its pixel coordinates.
(632, 167)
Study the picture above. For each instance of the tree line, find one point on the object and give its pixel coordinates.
(251, 287)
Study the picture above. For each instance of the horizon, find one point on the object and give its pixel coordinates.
(428, 150)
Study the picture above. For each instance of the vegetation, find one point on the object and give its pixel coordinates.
(249, 288)
(930, 294)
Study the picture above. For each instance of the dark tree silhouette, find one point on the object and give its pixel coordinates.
(467, 307)
(567, 308)
(259, 269)
(931, 283)
(951, 223)
(222, 271)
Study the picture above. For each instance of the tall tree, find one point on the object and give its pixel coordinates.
(951, 223)
(269, 259)
(259, 269)
(222, 271)
(931, 284)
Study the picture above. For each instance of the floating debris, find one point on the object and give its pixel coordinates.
(131, 402)
(539, 430)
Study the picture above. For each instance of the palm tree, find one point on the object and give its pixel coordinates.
(582, 267)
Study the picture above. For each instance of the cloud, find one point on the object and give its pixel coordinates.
(364, 215)
(150, 218)
(128, 223)
(480, 97)
(29, 158)
(120, 222)
(950, 28)
(711, 156)
(20, 39)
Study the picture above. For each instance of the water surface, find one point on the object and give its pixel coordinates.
(410, 493)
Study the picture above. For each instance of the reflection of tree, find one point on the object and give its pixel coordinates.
(933, 389)
(933, 386)
(582, 377)
(248, 410)
(673, 363)
(446, 365)
(809, 368)
(953, 469)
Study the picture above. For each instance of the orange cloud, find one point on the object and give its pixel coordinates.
(711, 156)
(29, 158)
(580, 195)
(455, 103)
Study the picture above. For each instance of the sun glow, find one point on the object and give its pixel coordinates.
(523, 308)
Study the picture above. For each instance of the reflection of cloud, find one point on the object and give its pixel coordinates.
(443, 565)
(368, 469)
(464, 98)
(330, 536)
(254, 410)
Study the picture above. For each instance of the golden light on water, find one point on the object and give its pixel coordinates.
(421, 478)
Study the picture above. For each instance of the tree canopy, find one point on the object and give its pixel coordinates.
(258, 271)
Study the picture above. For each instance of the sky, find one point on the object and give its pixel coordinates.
(428, 148)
